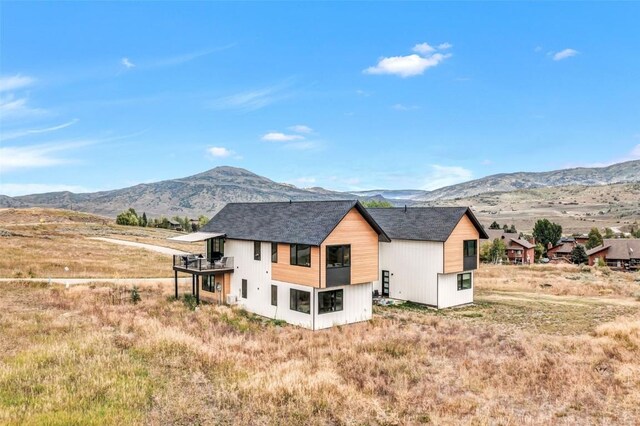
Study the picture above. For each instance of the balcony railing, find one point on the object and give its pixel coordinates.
(199, 262)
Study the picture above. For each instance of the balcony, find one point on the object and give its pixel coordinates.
(198, 263)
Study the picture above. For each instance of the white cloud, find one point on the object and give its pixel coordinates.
(406, 66)
(20, 133)
(441, 176)
(16, 108)
(304, 181)
(219, 151)
(15, 189)
(486, 162)
(280, 137)
(301, 128)
(423, 48)
(250, 100)
(127, 63)
(402, 107)
(364, 93)
(564, 54)
(34, 156)
(445, 46)
(537, 49)
(15, 82)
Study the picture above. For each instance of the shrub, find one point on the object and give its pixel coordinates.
(135, 295)
(190, 301)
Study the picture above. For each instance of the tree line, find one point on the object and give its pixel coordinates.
(131, 218)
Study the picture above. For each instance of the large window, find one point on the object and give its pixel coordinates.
(256, 250)
(300, 254)
(274, 295)
(470, 248)
(244, 289)
(330, 301)
(208, 283)
(300, 301)
(338, 256)
(464, 281)
(274, 252)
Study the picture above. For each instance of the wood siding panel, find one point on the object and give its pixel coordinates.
(285, 272)
(453, 247)
(355, 231)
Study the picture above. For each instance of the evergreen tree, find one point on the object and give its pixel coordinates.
(595, 239)
(144, 219)
(494, 225)
(579, 255)
(546, 232)
(513, 230)
(608, 233)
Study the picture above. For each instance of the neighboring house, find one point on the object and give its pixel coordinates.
(519, 251)
(621, 254)
(176, 226)
(432, 254)
(562, 249)
(311, 264)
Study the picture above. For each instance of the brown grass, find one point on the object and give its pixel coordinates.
(71, 356)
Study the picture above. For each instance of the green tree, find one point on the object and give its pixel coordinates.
(202, 220)
(608, 233)
(513, 230)
(579, 255)
(498, 251)
(546, 232)
(595, 239)
(505, 227)
(494, 225)
(128, 217)
(485, 252)
(376, 204)
(538, 251)
(145, 222)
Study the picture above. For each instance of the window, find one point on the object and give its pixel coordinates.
(300, 301)
(274, 252)
(274, 295)
(470, 248)
(338, 256)
(300, 254)
(330, 301)
(244, 289)
(208, 283)
(256, 250)
(464, 281)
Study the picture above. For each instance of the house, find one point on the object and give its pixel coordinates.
(312, 264)
(176, 226)
(518, 250)
(562, 249)
(623, 254)
(432, 254)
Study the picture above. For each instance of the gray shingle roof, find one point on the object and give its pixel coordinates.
(422, 223)
(510, 237)
(619, 249)
(298, 222)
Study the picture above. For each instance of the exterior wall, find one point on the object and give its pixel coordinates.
(357, 306)
(285, 272)
(224, 278)
(357, 232)
(256, 272)
(602, 254)
(453, 247)
(448, 293)
(413, 269)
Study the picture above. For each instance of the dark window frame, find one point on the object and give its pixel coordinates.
(342, 249)
(468, 248)
(245, 286)
(257, 250)
(208, 286)
(321, 299)
(274, 252)
(294, 300)
(274, 295)
(294, 256)
(462, 279)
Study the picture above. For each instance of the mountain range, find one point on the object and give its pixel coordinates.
(207, 192)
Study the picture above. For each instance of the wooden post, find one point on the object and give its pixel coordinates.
(193, 284)
(175, 279)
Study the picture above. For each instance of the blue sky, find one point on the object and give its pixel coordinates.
(352, 96)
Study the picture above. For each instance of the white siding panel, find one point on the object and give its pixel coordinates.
(357, 306)
(283, 310)
(448, 293)
(413, 268)
(256, 272)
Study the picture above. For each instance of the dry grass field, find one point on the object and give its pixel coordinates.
(40, 243)
(543, 345)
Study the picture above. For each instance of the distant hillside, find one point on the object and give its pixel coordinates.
(204, 193)
(505, 182)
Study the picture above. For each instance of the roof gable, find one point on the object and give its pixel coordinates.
(422, 223)
(297, 222)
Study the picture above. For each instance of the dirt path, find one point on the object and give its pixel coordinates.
(152, 247)
(551, 298)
